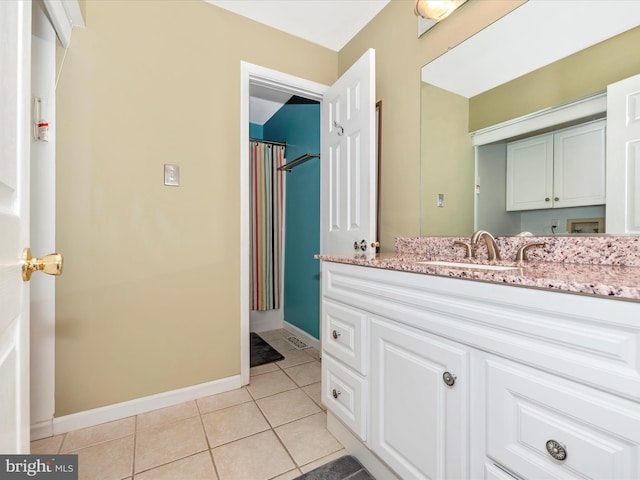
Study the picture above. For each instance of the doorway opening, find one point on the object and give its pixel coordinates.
(257, 77)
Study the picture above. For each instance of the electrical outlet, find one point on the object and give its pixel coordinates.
(554, 223)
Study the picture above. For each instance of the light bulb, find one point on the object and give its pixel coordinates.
(435, 9)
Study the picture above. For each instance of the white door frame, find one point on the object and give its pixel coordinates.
(257, 75)
(43, 196)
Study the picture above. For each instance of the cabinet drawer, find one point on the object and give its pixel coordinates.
(598, 434)
(343, 335)
(344, 394)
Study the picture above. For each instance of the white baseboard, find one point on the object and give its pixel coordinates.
(42, 430)
(304, 336)
(265, 321)
(117, 411)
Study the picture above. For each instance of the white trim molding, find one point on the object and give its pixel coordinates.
(64, 15)
(117, 411)
(583, 108)
(251, 74)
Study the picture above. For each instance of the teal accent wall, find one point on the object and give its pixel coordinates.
(256, 131)
(298, 122)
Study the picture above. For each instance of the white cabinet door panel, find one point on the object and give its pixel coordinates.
(579, 166)
(419, 425)
(530, 173)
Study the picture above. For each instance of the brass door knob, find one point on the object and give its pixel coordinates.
(50, 264)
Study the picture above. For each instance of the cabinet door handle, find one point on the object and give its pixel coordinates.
(557, 450)
(555, 199)
(449, 379)
(335, 393)
(335, 334)
(547, 199)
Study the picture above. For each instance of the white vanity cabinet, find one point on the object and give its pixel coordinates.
(458, 379)
(557, 170)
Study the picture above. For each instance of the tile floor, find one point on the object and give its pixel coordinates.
(275, 428)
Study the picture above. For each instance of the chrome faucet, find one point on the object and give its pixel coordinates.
(492, 247)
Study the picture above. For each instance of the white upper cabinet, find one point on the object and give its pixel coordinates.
(530, 173)
(579, 166)
(557, 170)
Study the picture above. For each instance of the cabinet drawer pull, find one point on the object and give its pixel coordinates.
(335, 393)
(547, 199)
(449, 379)
(557, 450)
(335, 334)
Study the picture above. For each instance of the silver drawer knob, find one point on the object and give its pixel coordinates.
(335, 393)
(449, 379)
(557, 450)
(335, 334)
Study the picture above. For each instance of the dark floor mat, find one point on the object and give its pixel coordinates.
(343, 468)
(262, 352)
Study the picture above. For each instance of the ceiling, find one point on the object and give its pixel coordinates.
(329, 23)
(546, 32)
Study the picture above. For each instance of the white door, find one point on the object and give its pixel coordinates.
(15, 88)
(623, 156)
(348, 188)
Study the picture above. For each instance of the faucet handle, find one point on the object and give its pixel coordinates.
(468, 252)
(521, 255)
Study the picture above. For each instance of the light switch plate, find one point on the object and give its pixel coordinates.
(440, 200)
(171, 175)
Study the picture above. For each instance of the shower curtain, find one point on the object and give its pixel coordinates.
(266, 224)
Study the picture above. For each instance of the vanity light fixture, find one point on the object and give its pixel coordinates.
(430, 12)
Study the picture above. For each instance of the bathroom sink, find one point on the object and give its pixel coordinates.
(474, 266)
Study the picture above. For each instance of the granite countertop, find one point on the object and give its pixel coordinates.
(616, 278)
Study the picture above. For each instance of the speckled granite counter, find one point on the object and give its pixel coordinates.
(606, 266)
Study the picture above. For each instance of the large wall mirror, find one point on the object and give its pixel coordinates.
(540, 58)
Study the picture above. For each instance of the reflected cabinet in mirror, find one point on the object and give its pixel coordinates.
(524, 125)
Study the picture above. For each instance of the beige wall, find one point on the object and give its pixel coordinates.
(446, 146)
(576, 76)
(149, 299)
(399, 57)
